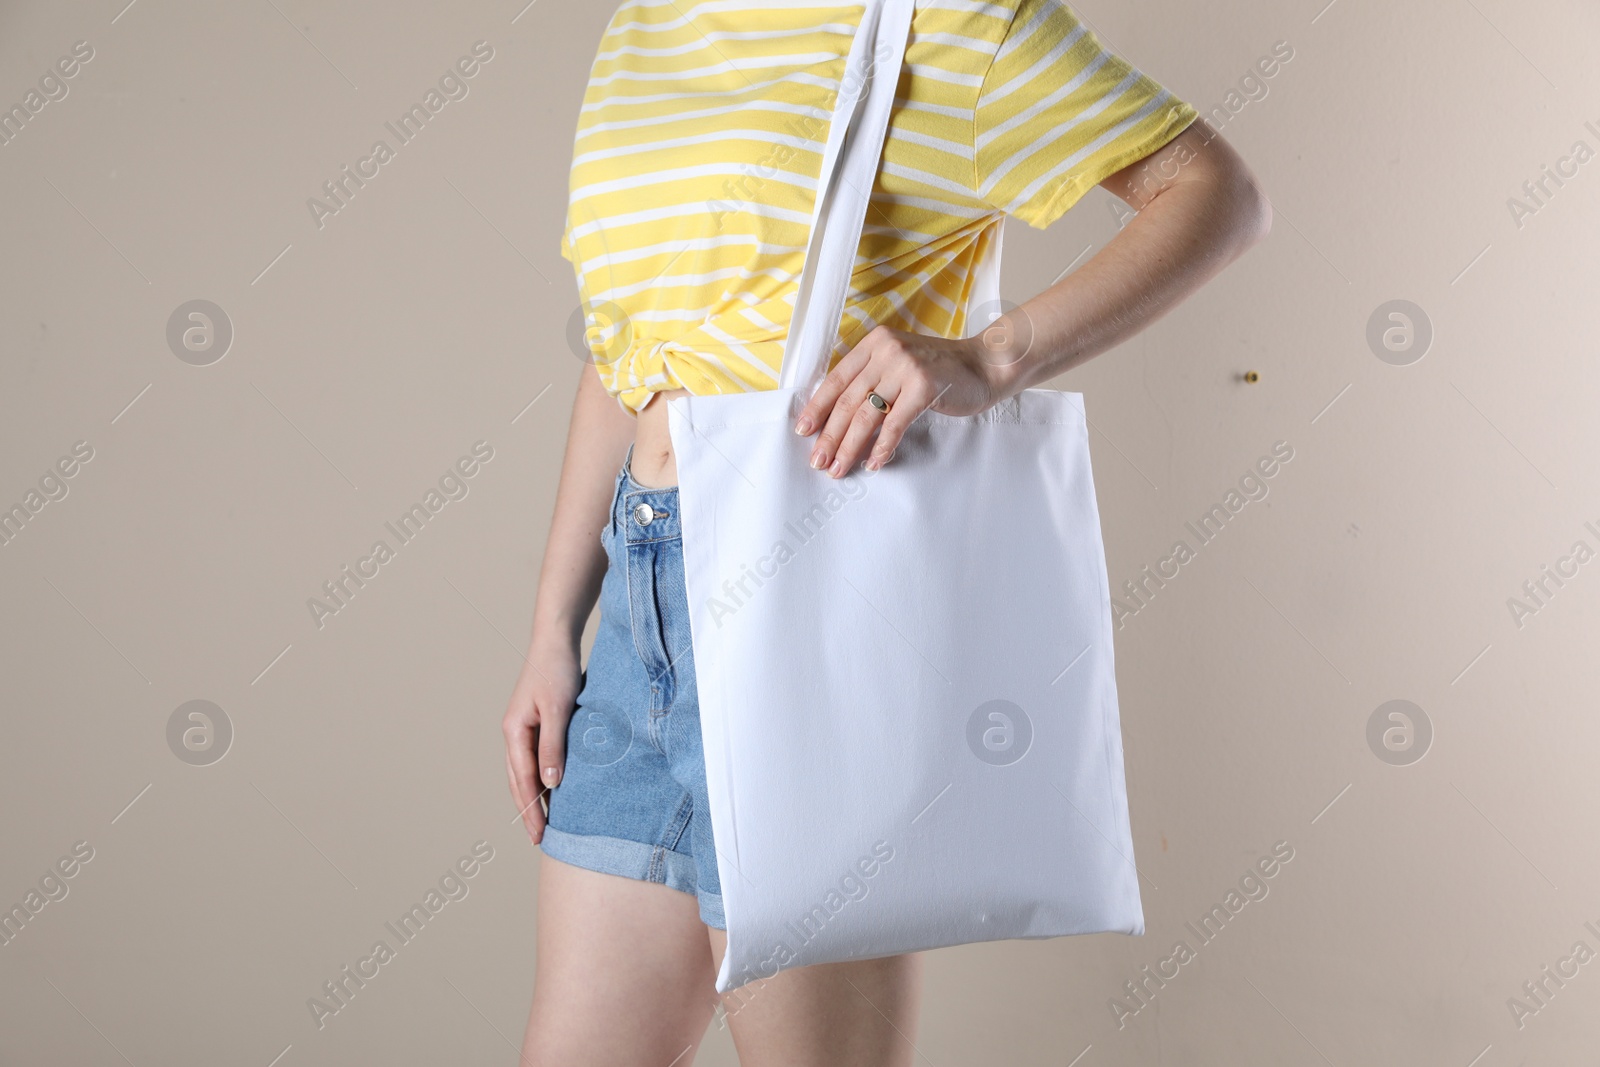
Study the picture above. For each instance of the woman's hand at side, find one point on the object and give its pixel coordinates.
(535, 727)
(570, 577)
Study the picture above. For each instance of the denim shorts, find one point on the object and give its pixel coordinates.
(632, 797)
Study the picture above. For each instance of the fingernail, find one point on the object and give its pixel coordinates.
(817, 459)
(803, 427)
(874, 463)
(550, 777)
(837, 468)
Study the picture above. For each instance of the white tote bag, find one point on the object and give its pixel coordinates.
(907, 693)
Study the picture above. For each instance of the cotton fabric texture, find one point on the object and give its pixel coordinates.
(906, 685)
(699, 144)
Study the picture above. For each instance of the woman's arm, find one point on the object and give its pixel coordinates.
(535, 723)
(1199, 209)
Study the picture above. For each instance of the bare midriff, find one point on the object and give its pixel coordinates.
(653, 463)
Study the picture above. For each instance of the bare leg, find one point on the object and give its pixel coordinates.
(861, 1014)
(624, 976)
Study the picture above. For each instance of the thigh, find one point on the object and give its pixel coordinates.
(624, 974)
(862, 1013)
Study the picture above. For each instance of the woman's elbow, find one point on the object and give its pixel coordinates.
(1241, 201)
(1255, 213)
(1237, 206)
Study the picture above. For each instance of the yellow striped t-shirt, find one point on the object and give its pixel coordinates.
(699, 145)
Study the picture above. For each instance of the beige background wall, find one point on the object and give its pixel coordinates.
(370, 354)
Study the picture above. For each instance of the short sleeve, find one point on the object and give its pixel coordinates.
(1057, 114)
(566, 247)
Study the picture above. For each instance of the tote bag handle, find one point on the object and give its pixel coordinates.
(849, 166)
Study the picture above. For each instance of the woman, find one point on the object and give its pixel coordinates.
(692, 184)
